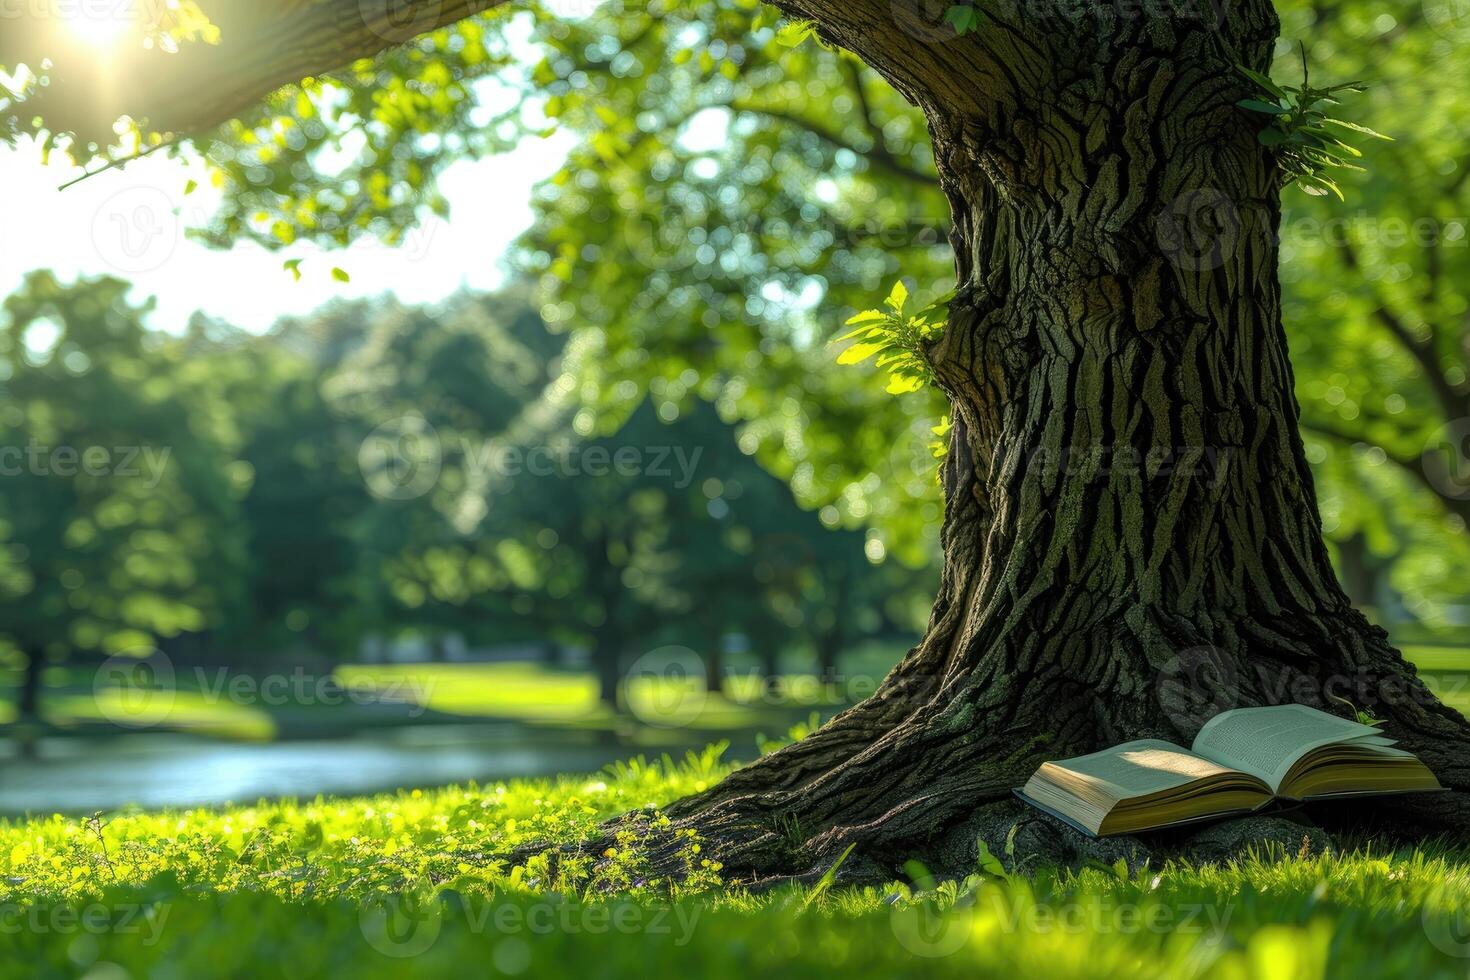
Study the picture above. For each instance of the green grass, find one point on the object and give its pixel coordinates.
(535, 694)
(184, 711)
(666, 711)
(402, 884)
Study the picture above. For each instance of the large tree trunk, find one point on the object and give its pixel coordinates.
(1131, 540)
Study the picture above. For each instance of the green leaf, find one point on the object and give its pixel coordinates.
(1256, 105)
(858, 353)
(902, 386)
(1271, 137)
(898, 296)
(1319, 186)
(1356, 128)
(989, 863)
(1347, 148)
(1263, 81)
(821, 887)
(867, 333)
(190, 187)
(963, 18)
(340, 274)
(293, 266)
(867, 316)
(793, 34)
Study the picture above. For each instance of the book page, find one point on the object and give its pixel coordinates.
(1265, 742)
(1138, 768)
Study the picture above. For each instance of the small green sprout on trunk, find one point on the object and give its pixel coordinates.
(1308, 142)
(897, 339)
(940, 446)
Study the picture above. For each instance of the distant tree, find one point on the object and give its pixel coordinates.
(434, 391)
(119, 511)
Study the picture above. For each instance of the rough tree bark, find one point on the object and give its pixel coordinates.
(1131, 540)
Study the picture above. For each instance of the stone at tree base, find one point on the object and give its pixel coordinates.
(1232, 839)
(1042, 841)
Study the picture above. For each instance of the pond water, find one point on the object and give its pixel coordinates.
(83, 774)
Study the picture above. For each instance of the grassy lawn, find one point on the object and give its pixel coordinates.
(665, 711)
(536, 694)
(400, 885)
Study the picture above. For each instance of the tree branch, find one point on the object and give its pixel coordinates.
(1414, 466)
(1423, 352)
(263, 45)
(877, 155)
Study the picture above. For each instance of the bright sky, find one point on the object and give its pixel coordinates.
(130, 223)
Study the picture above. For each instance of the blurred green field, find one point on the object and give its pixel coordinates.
(536, 694)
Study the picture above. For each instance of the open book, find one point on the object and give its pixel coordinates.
(1240, 761)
